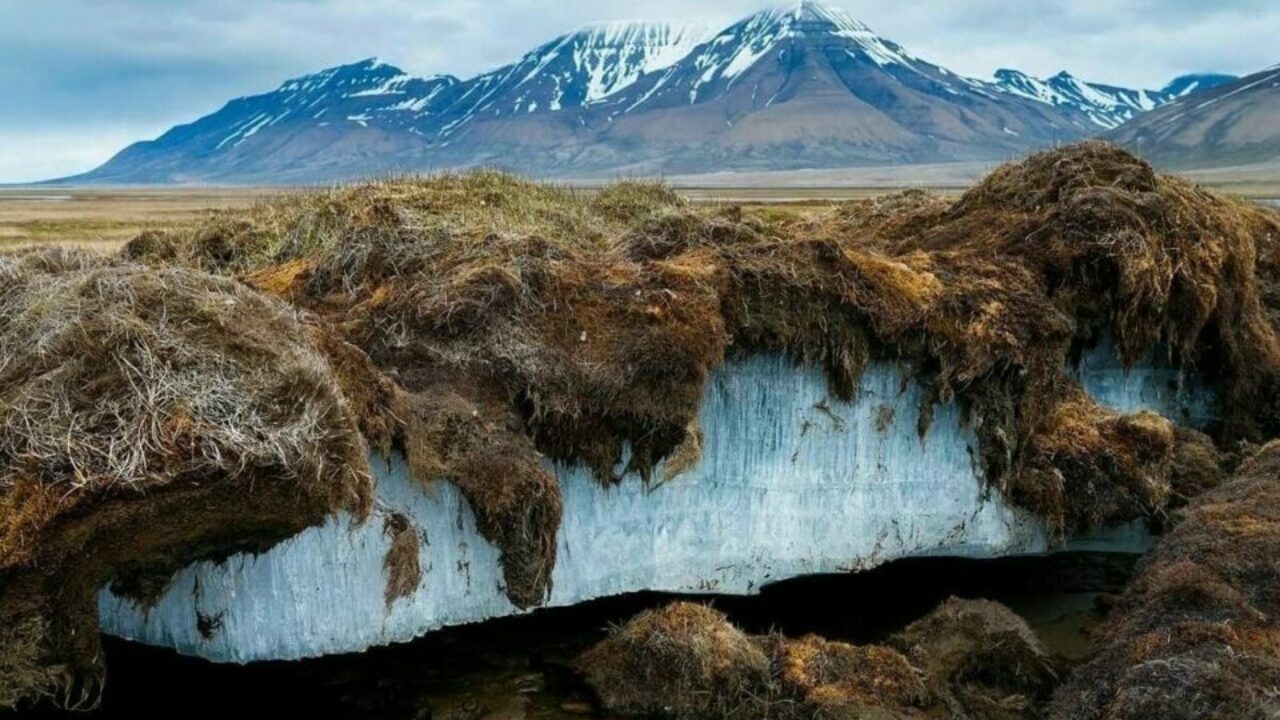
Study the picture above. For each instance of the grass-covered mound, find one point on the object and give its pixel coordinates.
(148, 418)
(968, 659)
(980, 660)
(1196, 635)
(160, 408)
(498, 320)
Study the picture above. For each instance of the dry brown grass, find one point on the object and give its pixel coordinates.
(148, 418)
(105, 219)
(533, 319)
(687, 662)
(402, 564)
(1195, 634)
(681, 661)
(481, 322)
(969, 659)
(819, 678)
(980, 660)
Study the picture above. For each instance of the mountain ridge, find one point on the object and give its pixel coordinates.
(805, 86)
(1230, 124)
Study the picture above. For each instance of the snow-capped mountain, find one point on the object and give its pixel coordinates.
(573, 71)
(764, 40)
(805, 86)
(1106, 106)
(1233, 124)
(811, 86)
(365, 92)
(590, 65)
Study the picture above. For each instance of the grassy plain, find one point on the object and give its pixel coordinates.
(104, 218)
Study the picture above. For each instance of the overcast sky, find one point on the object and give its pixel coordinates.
(82, 78)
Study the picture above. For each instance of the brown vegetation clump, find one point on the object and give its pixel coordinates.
(969, 659)
(818, 678)
(1195, 636)
(687, 662)
(148, 418)
(583, 327)
(684, 661)
(451, 432)
(401, 563)
(1152, 259)
(980, 660)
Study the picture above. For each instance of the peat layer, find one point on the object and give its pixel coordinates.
(148, 418)
(480, 322)
(1196, 633)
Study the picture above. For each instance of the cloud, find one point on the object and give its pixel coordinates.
(72, 69)
(34, 154)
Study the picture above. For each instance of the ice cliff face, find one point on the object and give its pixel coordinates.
(791, 482)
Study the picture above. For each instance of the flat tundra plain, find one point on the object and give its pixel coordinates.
(106, 218)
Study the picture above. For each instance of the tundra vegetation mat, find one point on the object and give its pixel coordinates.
(147, 418)
(1196, 633)
(480, 322)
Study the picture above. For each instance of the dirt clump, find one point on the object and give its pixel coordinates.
(148, 418)
(967, 659)
(683, 661)
(818, 678)
(1151, 259)
(980, 660)
(401, 563)
(688, 662)
(1195, 635)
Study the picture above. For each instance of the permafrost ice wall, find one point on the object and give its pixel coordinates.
(791, 482)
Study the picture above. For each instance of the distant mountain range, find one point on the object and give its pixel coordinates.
(1233, 124)
(804, 87)
(1105, 106)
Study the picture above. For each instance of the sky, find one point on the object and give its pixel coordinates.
(80, 79)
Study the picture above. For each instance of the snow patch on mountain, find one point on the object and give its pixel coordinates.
(1184, 85)
(617, 54)
(1105, 106)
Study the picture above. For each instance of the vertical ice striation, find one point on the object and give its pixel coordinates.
(791, 482)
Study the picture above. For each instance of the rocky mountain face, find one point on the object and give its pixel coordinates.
(1233, 124)
(804, 87)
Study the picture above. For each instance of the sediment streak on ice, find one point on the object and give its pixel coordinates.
(792, 482)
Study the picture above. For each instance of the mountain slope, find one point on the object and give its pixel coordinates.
(1187, 84)
(319, 121)
(573, 71)
(1105, 106)
(803, 87)
(1233, 124)
(811, 86)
